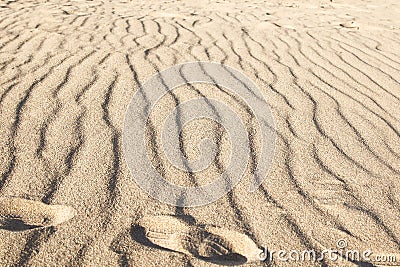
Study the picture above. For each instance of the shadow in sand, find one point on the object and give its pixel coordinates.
(16, 225)
(363, 264)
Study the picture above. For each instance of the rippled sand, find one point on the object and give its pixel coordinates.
(329, 70)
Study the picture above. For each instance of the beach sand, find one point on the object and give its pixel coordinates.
(330, 72)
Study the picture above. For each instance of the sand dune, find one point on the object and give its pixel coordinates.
(329, 70)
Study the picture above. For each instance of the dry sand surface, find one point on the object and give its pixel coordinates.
(68, 69)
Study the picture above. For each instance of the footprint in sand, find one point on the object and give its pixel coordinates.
(17, 214)
(206, 242)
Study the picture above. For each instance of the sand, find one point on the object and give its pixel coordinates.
(329, 71)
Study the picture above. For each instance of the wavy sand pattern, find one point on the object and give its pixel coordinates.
(330, 71)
